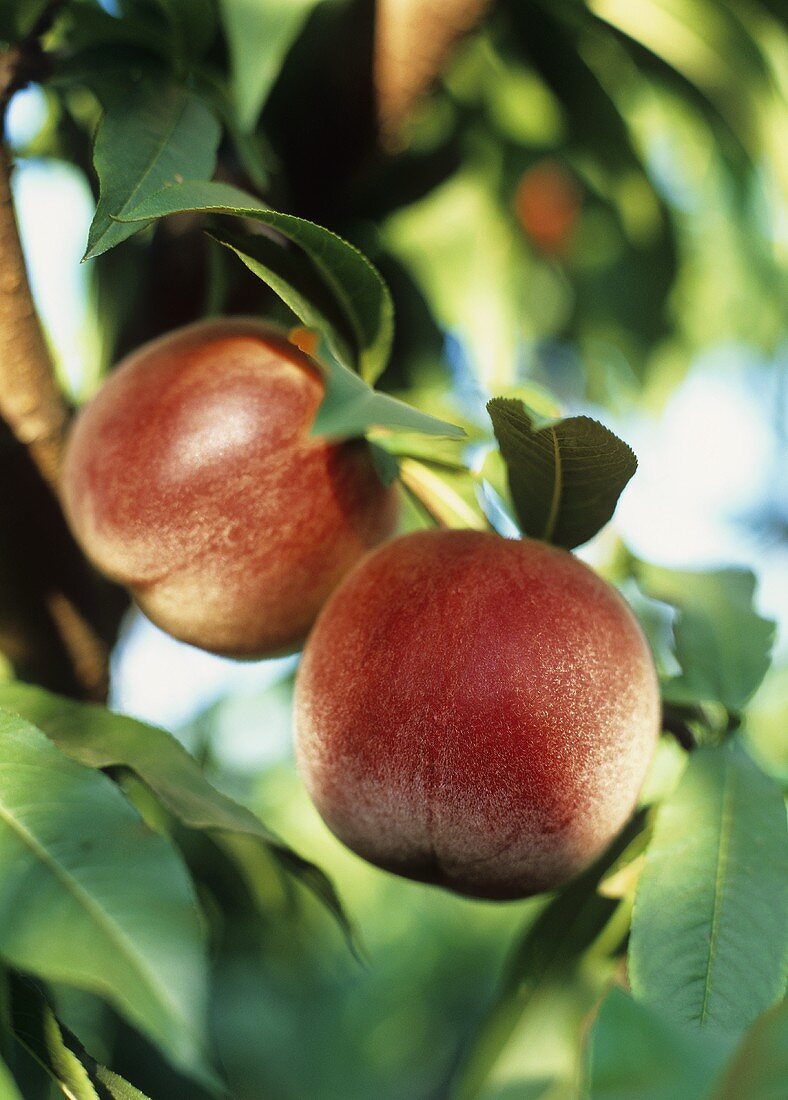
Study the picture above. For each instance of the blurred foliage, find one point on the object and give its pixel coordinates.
(584, 201)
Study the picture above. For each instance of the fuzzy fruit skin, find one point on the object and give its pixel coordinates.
(476, 712)
(192, 479)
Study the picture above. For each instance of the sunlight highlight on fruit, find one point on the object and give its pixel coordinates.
(192, 479)
(476, 712)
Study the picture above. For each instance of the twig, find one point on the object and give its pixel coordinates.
(442, 503)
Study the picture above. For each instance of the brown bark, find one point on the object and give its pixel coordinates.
(413, 41)
(54, 619)
(54, 614)
(30, 400)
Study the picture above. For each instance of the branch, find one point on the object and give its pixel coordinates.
(30, 400)
(54, 614)
(413, 41)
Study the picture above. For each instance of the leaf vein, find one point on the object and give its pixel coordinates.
(726, 823)
(100, 917)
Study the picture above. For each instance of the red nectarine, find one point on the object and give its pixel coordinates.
(548, 205)
(192, 478)
(476, 712)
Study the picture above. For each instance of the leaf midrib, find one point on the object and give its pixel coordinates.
(101, 918)
(152, 161)
(552, 515)
(726, 822)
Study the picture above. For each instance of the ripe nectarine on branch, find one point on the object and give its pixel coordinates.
(192, 478)
(476, 712)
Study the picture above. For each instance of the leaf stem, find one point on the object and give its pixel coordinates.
(444, 505)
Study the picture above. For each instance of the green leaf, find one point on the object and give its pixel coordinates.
(36, 1028)
(117, 1087)
(708, 929)
(350, 406)
(354, 284)
(102, 47)
(60, 1053)
(8, 1089)
(89, 896)
(18, 17)
(635, 1050)
(151, 133)
(290, 273)
(549, 951)
(759, 1068)
(259, 36)
(722, 644)
(330, 285)
(565, 476)
(193, 25)
(97, 738)
(656, 620)
(716, 52)
(386, 464)
(620, 877)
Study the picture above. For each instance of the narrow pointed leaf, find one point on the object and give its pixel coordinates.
(434, 491)
(60, 1053)
(347, 274)
(635, 1050)
(351, 406)
(36, 1028)
(292, 275)
(565, 477)
(721, 642)
(8, 1089)
(152, 132)
(193, 25)
(117, 1087)
(97, 738)
(759, 1068)
(91, 897)
(709, 925)
(259, 36)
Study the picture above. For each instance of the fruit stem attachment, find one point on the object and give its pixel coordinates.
(442, 503)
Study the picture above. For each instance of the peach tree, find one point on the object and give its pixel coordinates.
(288, 235)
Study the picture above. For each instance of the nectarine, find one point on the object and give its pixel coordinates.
(192, 479)
(548, 205)
(476, 712)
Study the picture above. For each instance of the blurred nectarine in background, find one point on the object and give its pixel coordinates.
(548, 204)
(193, 479)
(476, 712)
